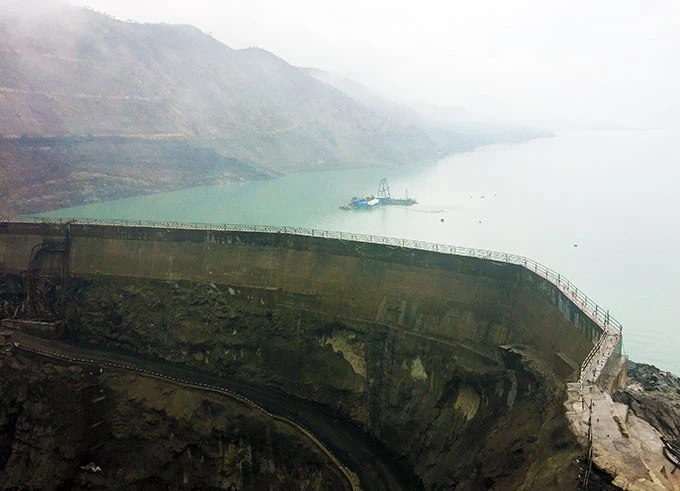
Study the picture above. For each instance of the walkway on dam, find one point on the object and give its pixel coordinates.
(345, 444)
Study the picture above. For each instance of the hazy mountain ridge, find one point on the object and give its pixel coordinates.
(451, 128)
(396, 112)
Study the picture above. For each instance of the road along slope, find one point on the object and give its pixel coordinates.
(346, 446)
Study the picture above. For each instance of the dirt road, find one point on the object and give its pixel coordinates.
(350, 449)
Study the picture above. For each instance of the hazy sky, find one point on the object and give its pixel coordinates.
(608, 59)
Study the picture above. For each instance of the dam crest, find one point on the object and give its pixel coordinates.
(600, 316)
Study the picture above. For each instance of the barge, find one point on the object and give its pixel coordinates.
(383, 197)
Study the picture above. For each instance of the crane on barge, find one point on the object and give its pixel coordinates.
(384, 197)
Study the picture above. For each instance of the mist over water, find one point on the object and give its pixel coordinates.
(599, 207)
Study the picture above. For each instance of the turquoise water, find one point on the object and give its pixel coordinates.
(598, 207)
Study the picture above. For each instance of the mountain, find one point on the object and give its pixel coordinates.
(453, 129)
(74, 76)
(93, 75)
(93, 108)
(393, 111)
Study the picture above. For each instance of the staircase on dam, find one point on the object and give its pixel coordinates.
(594, 364)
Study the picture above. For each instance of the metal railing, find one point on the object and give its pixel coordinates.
(596, 313)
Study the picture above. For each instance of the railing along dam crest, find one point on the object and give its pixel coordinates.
(590, 368)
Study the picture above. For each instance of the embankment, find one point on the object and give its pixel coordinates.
(455, 364)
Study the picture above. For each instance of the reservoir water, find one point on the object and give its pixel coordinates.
(599, 207)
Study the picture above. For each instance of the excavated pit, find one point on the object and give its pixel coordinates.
(452, 367)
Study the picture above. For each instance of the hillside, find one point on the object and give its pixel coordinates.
(81, 73)
(76, 74)
(93, 108)
(57, 172)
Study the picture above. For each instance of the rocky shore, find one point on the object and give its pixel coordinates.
(624, 432)
(653, 395)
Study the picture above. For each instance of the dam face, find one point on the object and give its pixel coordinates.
(454, 364)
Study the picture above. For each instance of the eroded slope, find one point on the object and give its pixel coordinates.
(453, 416)
(55, 419)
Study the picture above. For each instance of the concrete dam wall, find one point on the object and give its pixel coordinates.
(436, 356)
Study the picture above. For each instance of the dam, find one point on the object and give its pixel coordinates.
(451, 361)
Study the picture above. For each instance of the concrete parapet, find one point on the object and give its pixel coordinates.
(457, 298)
